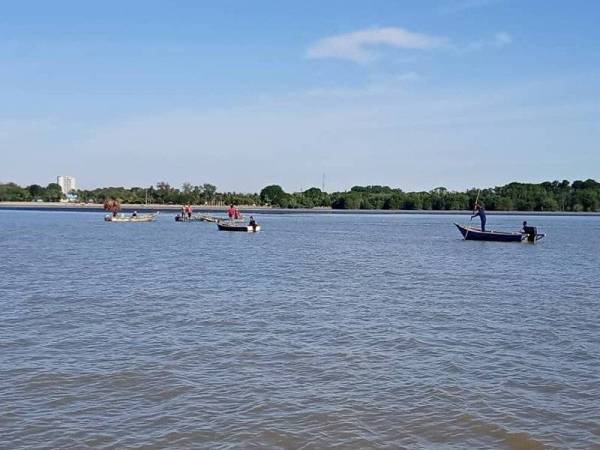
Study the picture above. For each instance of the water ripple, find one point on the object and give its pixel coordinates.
(320, 332)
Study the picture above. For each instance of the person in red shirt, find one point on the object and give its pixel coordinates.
(232, 212)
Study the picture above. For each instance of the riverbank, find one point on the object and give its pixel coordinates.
(95, 207)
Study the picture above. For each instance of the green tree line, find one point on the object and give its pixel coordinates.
(546, 196)
(164, 193)
(11, 192)
(161, 193)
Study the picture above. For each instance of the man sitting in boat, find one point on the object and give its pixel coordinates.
(530, 231)
(252, 223)
(479, 211)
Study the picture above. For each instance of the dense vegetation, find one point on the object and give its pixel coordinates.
(10, 192)
(547, 196)
(164, 193)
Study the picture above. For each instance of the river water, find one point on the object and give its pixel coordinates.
(322, 331)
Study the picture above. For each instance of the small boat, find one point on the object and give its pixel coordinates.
(475, 234)
(151, 217)
(200, 218)
(211, 219)
(225, 226)
(180, 218)
(217, 219)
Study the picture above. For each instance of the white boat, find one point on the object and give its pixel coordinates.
(150, 217)
(197, 218)
(227, 226)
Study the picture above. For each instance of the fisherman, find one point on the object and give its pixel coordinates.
(252, 223)
(530, 232)
(189, 210)
(183, 211)
(479, 211)
(232, 212)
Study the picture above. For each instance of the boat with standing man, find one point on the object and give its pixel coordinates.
(529, 234)
(113, 205)
(235, 222)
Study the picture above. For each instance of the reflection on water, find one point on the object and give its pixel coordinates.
(320, 331)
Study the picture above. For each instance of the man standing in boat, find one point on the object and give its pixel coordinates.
(479, 211)
(232, 212)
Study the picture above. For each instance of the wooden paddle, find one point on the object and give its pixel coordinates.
(471, 219)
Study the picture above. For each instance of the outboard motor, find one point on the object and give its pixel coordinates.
(531, 232)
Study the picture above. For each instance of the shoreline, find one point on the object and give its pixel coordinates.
(77, 207)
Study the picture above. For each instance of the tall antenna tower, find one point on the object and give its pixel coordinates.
(323, 183)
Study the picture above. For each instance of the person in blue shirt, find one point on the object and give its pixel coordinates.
(479, 211)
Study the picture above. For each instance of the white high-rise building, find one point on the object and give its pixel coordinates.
(67, 184)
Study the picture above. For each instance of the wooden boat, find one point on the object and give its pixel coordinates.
(227, 226)
(196, 218)
(211, 219)
(151, 217)
(475, 234)
(203, 218)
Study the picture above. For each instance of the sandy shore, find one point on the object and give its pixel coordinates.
(48, 206)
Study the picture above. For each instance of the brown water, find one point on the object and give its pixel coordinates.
(319, 332)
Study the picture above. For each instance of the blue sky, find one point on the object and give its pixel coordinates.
(454, 93)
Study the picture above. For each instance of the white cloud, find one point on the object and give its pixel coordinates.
(499, 40)
(357, 46)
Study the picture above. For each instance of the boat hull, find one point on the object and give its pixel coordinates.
(138, 218)
(474, 234)
(213, 219)
(238, 227)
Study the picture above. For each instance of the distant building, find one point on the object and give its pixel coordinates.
(67, 184)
